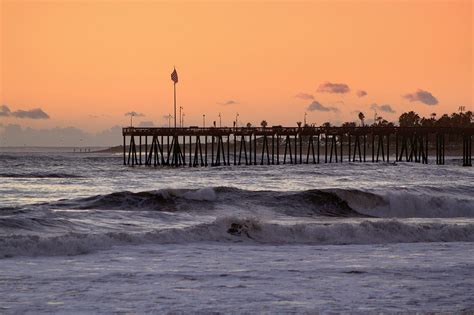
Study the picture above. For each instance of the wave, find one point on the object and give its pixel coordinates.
(305, 203)
(39, 175)
(237, 230)
(325, 202)
(401, 203)
(13, 223)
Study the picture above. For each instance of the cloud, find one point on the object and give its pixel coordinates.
(36, 113)
(421, 96)
(361, 93)
(337, 88)
(383, 108)
(305, 96)
(229, 102)
(146, 124)
(317, 106)
(136, 114)
(4, 111)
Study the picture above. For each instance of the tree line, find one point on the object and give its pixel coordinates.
(407, 119)
(412, 119)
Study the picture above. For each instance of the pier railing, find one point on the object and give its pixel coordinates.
(196, 146)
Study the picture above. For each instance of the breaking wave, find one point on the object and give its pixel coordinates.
(305, 203)
(326, 202)
(247, 230)
(225, 214)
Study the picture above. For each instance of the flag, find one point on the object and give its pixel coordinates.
(174, 76)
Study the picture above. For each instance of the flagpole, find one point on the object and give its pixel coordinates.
(175, 104)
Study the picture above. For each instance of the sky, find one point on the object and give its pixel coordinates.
(82, 65)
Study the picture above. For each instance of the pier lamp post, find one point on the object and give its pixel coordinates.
(131, 119)
(182, 120)
(204, 120)
(236, 120)
(220, 120)
(180, 117)
(305, 114)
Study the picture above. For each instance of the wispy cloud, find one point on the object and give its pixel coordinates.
(304, 96)
(361, 93)
(136, 114)
(35, 113)
(317, 106)
(336, 88)
(421, 96)
(229, 102)
(383, 108)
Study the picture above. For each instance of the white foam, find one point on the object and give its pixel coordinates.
(401, 204)
(203, 194)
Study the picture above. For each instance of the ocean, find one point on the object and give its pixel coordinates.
(81, 233)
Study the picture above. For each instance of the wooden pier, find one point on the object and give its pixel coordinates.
(193, 146)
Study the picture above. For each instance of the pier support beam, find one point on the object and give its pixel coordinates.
(467, 150)
(124, 151)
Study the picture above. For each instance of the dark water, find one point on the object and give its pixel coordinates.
(64, 203)
(81, 233)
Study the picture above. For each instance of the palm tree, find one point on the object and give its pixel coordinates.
(379, 120)
(361, 118)
(249, 125)
(264, 124)
(409, 119)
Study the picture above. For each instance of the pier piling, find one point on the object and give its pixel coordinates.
(261, 146)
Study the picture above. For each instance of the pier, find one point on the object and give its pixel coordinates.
(200, 147)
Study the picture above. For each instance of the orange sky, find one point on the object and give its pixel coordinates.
(86, 63)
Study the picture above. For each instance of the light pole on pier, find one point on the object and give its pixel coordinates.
(204, 120)
(220, 120)
(174, 78)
